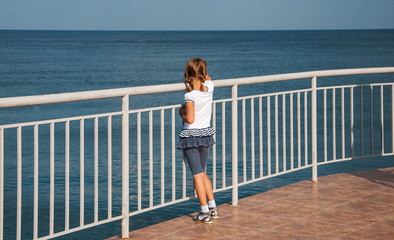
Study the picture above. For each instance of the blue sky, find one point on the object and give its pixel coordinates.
(196, 14)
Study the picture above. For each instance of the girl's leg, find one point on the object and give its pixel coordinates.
(199, 185)
(205, 215)
(204, 152)
(193, 158)
(213, 211)
(197, 158)
(208, 187)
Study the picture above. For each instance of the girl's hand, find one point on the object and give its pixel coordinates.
(207, 77)
(182, 111)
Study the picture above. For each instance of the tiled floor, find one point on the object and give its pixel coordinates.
(345, 206)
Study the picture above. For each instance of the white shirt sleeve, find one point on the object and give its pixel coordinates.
(189, 97)
(210, 86)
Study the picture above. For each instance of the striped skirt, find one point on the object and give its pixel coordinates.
(191, 138)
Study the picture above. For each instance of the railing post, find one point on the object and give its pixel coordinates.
(314, 130)
(125, 167)
(234, 145)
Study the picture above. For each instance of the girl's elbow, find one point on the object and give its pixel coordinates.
(189, 120)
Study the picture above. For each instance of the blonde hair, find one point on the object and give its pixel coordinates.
(195, 69)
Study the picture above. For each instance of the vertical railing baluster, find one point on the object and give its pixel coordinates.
(151, 158)
(269, 135)
(52, 179)
(352, 120)
(244, 140)
(162, 155)
(261, 134)
(361, 122)
(382, 117)
(96, 169)
(67, 176)
(173, 155)
(343, 121)
(223, 144)
(252, 136)
(371, 117)
(109, 123)
(284, 131)
(125, 166)
(306, 127)
(19, 184)
(299, 128)
(314, 128)
(82, 172)
(291, 132)
(214, 147)
(36, 164)
(334, 137)
(139, 188)
(234, 144)
(325, 123)
(276, 136)
(392, 118)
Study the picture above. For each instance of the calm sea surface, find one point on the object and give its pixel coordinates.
(44, 62)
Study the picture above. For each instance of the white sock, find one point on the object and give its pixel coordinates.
(212, 204)
(204, 209)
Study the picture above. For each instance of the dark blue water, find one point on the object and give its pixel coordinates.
(44, 62)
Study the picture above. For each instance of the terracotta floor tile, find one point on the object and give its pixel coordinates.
(317, 229)
(288, 212)
(345, 216)
(380, 230)
(162, 229)
(366, 207)
(314, 201)
(367, 187)
(253, 222)
(343, 178)
(272, 235)
(271, 196)
(292, 189)
(214, 231)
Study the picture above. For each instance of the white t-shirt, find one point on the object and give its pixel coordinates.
(202, 106)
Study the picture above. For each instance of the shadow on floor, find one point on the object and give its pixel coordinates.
(384, 177)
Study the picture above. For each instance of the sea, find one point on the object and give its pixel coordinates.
(47, 62)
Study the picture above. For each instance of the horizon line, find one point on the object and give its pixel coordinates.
(206, 30)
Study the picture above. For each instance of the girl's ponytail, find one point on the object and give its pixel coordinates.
(196, 68)
(189, 85)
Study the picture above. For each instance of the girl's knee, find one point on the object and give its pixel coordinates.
(199, 175)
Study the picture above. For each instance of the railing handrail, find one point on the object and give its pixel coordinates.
(162, 88)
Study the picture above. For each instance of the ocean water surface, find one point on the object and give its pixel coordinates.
(46, 62)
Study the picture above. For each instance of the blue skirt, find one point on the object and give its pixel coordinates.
(193, 142)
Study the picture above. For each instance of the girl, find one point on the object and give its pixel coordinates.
(196, 135)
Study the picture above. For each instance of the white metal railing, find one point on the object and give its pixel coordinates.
(78, 159)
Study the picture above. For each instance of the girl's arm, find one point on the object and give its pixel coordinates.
(208, 81)
(187, 112)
